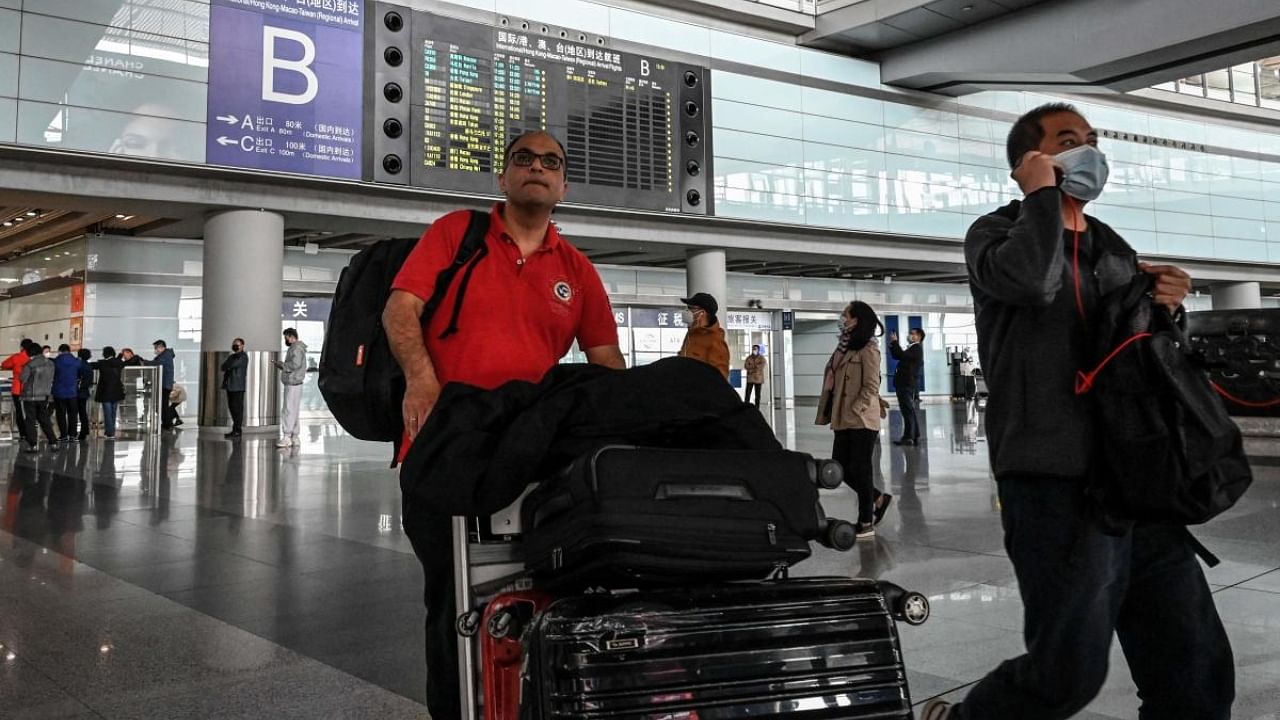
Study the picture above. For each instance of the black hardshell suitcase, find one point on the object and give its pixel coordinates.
(808, 648)
(625, 516)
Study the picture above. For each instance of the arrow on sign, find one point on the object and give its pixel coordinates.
(229, 119)
(224, 141)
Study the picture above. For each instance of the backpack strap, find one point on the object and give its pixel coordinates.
(473, 246)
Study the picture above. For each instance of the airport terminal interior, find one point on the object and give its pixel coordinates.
(202, 171)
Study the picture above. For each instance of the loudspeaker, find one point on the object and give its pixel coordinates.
(388, 86)
(693, 132)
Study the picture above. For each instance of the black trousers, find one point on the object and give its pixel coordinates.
(432, 538)
(19, 418)
(235, 406)
(907, 405)
(37, 413)
(82, 409)
(1079, 587)
(168, 411)
(753, 386)
(65, 408)
(853, 449)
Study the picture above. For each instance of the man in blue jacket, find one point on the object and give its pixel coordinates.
(66, 377)
(164, 359)
(1039, 269)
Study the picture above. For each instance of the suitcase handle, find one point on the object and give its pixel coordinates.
(670, 491)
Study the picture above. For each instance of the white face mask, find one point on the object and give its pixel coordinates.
(1084, 172)
(687, 317)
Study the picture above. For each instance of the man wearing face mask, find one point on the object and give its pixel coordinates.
(1038, 269)
(234, 370)
(705, 339)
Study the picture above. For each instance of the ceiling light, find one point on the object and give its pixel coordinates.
(48, 258)
(19, 219)
(31, 213)
(8, 223)
(119, 217)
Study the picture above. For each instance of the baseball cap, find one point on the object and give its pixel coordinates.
(704, 301)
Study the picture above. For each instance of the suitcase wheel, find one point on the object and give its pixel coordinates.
(502, 624)
(840, 535)
(468, 623)
(830, 474)
(913, 608)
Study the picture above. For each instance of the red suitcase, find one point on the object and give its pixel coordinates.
(502, 653)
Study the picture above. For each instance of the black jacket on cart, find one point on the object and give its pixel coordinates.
(481, 448)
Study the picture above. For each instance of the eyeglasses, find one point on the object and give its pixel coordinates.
(549, 161)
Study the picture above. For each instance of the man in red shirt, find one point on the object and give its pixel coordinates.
(524, 306)
(15, 362)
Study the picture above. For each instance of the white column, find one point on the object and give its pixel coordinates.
(243, 287)
(704, 272)
(1237, 296)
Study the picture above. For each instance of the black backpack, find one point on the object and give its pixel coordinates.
(1170, 453)
(359, 377)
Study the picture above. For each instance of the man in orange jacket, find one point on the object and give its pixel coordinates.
(705, 339)
(15, 362)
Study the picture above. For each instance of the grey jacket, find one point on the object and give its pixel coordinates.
(294, 371)
(1031, 340)
(37, 379)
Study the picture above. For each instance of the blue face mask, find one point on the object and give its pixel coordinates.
(1084, 172)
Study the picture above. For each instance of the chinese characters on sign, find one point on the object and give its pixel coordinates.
(285, 79)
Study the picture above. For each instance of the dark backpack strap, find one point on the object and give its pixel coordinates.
(472, 245)
(462, 291)
(1203, 552)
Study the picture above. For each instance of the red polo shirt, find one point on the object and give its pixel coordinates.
(519, 315)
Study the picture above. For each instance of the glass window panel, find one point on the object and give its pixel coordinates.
(76, 128)
(1133, 152)
(830, 131)
(1239, 229)
(1233, 249)
(835, 158)
(753, 51)
(59, 82)
(14, 4)
(755, 118)
(843, 214)
(932, 224)
(1144, 241)
(983, 130)
(922, 169)
(1217, 83)
(120, 52)
(1182, 202)
(186, 19)
(935, 121)
(1004, 101)
(1135, 196)
(1184, 223)
(1129, 218)
(8, 75)
(816, 101)
(1269, 79)
(1178, 129)
(843, 187)
(659, 32)
(755, 205)
(10, 27)
(754, 90)
(1273, 211)
(934, 147)
(828, 66)
(1239, 207)
(1273, 251)
(1185, 245)
(765, 178)
(986, 154)
(8, 120)
(1229, 186)
(760, 148)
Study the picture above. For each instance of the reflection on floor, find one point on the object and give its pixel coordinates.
(186, 576)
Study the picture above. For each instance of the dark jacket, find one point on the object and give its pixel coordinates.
(234, 370)
(37, 379)
(481, 448)
(910, 360)
(1031, 340)
(110, 387)
(84, 380)
(165, 361)
(66, 371)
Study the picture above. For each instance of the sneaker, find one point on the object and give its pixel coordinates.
(284, 442)
(904, 441)
(882, 506)
(865, 530)
(231, 435)
(936, 710)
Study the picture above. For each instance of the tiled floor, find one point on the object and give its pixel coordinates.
(190, 577)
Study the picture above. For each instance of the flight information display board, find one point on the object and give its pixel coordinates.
(624, 117)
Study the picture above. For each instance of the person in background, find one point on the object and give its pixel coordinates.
(907, 384)
(84, 389)
(705, 338)
(754, 365)
(234, 372)
(14, 364)
(177, 396)
(294, 374)
(37, 389)
(110, 389)
(850, 403)
(164, 360)
(130, 359)
(66, 373)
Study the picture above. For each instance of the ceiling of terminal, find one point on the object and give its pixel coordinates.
(869, 26)
(26, 229)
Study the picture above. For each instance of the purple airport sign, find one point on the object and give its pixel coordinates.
(286, 85)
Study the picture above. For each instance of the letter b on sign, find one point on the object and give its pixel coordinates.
(271, 63)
